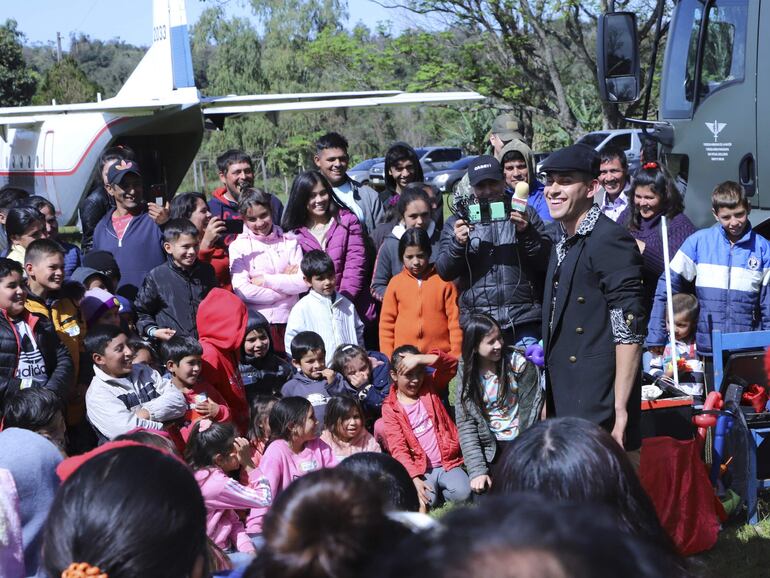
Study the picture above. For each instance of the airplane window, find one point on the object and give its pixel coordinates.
(29, 162)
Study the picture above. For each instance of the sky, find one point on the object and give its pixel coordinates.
(132, 20)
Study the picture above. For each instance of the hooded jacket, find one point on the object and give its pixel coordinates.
(31, 460)
(221, 322)
(265, 375)
(372, 394)
(58, 363)
(402, 441)
(268, 257)
(137, 253)
(388, 265)
(345, 245)
(170, 296)
(536, 196)
(500, 272)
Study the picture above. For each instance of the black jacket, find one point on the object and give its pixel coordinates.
(499, 271)
(92, 209)
(170, 296)
(602, 271)
(58, 363)
(264, 376)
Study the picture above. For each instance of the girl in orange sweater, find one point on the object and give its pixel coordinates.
(419, 307)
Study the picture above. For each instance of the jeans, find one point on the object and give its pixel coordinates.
(454, 485)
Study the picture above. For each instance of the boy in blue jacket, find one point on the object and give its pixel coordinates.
(728, 266)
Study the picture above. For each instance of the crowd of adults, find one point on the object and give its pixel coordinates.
(227, 381)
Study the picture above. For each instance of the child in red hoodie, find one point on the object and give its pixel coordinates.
(182, 356)
(221, 322)
(419, 432)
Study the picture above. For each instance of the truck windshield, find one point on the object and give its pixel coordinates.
(724, 52)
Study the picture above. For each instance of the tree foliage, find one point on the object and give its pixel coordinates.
(66, 83)
(17, 82)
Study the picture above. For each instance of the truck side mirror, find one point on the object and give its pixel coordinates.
(617, 58)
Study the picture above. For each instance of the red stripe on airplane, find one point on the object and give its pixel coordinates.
(80, 161)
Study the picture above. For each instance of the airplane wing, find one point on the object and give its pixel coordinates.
(238, 105)
(30, 115)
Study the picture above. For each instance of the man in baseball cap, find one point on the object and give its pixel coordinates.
(594, 318)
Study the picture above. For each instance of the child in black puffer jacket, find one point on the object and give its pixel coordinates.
(263, 370)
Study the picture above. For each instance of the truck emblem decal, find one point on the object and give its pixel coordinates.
(717, 151)
(715, 128)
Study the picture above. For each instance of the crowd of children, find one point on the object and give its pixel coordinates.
(262, 355)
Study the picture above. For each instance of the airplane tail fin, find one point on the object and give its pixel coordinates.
(167, 65)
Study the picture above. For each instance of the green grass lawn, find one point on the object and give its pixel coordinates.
(741, 552)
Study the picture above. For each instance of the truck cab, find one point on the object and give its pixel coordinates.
(712, 105)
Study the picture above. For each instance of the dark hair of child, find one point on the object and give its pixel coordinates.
(305, 342)
(252, 197)
(331, 140)
(137, 344)
(686, 304)
(414, 237)
(399, 352)
(32, 408)
(41, 248)
(295, 214)
(108, 515)
(259, 411)
(288, 413)
(412, 192)
(175, 228)
(19, 219)
(99, 336)
(204, 446)
(338, 409)
(179, 347)
(479, 326)
(8, 266)
(149, 438)
(38, 202)
(316, 263)
(388, 476)
(325, 524)
(346, 353)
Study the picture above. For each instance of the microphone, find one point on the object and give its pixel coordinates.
(520, 196)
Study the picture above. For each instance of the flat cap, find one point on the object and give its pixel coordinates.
(579, 157)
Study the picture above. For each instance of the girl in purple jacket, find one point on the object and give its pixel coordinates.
(317, 220)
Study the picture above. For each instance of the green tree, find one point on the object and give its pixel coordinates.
(17, 82)
(66, 83)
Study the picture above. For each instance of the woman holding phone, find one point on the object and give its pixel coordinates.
(211, 230)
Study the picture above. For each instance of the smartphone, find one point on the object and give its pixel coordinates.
(158, 192)
(232, 226)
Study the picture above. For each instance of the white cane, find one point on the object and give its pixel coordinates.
(669, 303)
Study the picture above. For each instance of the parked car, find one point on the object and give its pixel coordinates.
(431, 159)
(360, 172)
(626, 139)
(446, 179)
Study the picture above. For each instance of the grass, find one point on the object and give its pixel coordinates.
(740, 552)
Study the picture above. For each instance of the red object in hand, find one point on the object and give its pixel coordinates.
(756, 397)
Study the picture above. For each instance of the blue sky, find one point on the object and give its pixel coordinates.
(131, 20)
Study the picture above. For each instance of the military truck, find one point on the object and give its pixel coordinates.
(714, 95)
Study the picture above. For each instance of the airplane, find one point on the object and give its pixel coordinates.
(53, 150)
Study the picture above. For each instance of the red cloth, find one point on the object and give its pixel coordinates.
(221, 322)
(756, 397)
(67, 467)
(401, 441)
(120, 224)
(191, 416)
(673, 474)
(218, 258)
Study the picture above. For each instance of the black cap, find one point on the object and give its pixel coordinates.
(580, 157)
(120, 169)
(102, 261)
(484, 168)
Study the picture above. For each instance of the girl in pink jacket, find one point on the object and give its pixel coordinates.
(318, 220)
(213, 451)
(264, 264)
(294, 450)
